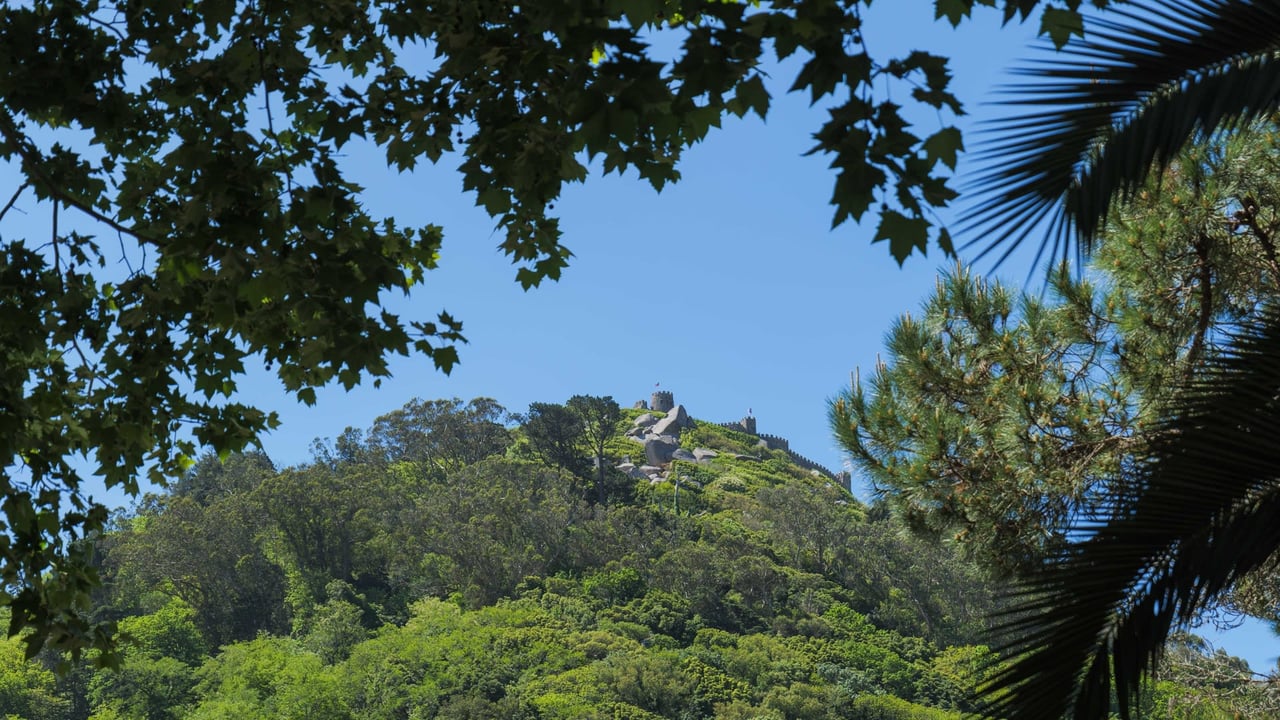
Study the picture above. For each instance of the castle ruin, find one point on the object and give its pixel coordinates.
(664, 401)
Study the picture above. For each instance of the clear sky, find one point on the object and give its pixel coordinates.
(728, 289)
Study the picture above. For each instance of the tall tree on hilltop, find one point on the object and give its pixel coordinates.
(599, 417)
(555, 434)
(212, 478)
(443, 435)
(1198, 513)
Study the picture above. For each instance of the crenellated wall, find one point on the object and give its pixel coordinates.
(808, 464)
(662, 401)
(746, 425)
(776, 442)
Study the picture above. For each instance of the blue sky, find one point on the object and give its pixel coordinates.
(728, 289)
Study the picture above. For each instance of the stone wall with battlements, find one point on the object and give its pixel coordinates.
(662, 401)
(775, 442)
(808, 464)
(745, 425)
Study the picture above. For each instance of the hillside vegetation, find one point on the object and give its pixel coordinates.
(444, 564)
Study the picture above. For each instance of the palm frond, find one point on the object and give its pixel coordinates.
(1148, 79)
(1201, 510)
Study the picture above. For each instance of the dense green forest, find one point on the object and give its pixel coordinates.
(458, 561)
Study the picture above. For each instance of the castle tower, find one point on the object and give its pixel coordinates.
(662, 401)
(749, 424)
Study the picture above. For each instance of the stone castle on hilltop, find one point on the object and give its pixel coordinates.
(664, 401)
(660, 401)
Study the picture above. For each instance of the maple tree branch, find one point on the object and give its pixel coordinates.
(9, 205)
(31, 163)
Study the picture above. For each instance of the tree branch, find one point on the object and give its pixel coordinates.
(266, 101)
(124, 254)
(1205, 316)
(31, 162)
(1248, 216)
(9, 205)
(57, 254)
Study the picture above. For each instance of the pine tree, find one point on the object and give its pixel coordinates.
(1001, 419)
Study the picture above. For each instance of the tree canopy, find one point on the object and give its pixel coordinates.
(555, 434)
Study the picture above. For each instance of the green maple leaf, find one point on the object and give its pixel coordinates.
(953, 10)
(904, 234)
(1060, 25)
(944, 146)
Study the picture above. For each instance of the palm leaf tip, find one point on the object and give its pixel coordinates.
(1147, 79)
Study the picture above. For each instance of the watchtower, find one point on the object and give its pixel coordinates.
(662, 401)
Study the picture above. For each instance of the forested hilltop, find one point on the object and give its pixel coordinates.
(458, 561)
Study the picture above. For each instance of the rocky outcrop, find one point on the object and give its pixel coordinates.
(673, 423)
(631, 471)
(658, 449)
(704, 455)
(661, 437)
